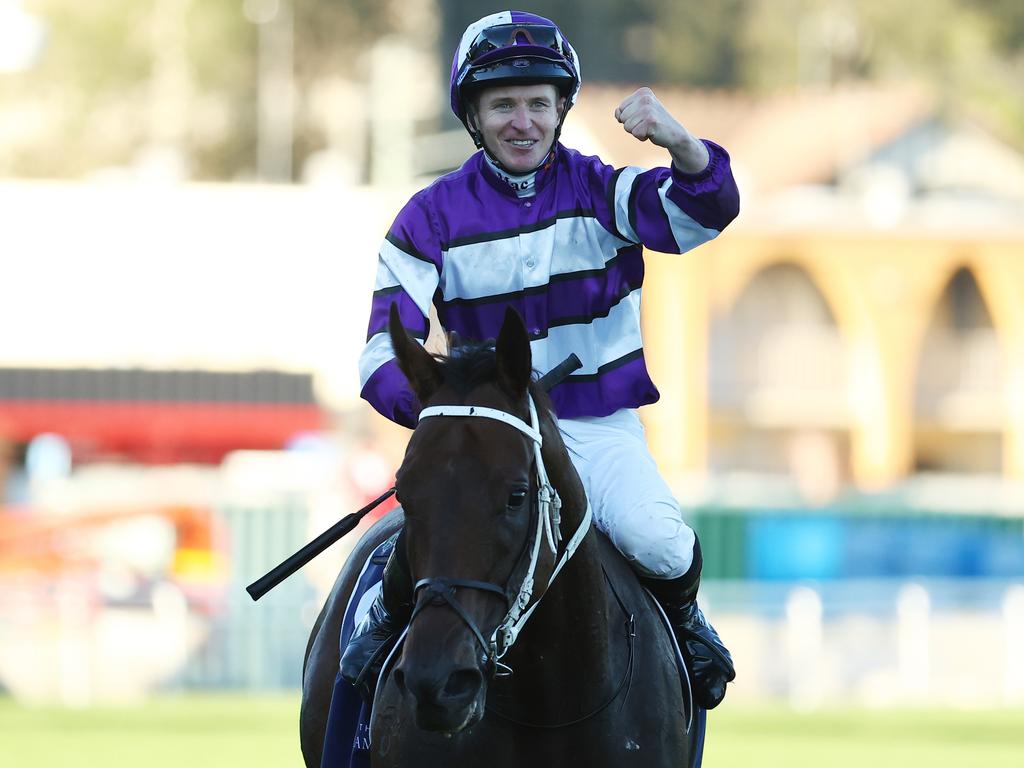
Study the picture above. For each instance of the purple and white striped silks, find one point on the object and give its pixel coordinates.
(569, 259)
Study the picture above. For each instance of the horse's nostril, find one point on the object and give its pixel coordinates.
(463, 683)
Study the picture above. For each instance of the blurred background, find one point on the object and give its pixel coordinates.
(192, 194)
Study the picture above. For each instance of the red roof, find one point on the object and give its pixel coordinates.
(158, 416)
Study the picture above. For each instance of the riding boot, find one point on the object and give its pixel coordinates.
(375, 635)
(708, 660)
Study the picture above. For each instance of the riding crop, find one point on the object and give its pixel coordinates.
(294, 562)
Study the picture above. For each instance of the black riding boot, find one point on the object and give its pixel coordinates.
(374, 636)
(708, 660)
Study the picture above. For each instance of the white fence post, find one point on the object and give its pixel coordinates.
(75, 659)
(804, 640)
(1013, 621)
(913, 609)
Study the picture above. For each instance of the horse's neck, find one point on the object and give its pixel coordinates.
(569, 632)
(564, 664)
(569, 627)
(577, 599)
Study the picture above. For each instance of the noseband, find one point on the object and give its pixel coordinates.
(440, 590)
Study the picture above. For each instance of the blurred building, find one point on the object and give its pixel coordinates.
(861, 320)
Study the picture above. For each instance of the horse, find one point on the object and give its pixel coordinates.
(531, 640)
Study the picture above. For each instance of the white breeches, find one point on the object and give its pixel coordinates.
(631, 502)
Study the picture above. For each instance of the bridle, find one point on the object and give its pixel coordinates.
(442, 590)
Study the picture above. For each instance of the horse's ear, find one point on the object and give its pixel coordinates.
(422, 370)
(454, 341)
(515, 363)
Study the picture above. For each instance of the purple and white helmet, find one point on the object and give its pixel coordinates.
(512, 48)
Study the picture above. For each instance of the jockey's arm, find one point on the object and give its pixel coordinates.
(408, 270)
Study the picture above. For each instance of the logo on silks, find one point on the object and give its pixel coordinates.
(519, 184)
(522, 63)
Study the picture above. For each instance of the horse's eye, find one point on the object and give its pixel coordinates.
(516, 498)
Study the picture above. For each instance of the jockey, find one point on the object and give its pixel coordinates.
(530, 223)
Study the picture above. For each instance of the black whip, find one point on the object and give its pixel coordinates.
(280, 572)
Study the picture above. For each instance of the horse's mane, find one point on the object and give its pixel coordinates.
(473, 364)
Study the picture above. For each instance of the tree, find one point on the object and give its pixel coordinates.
(100, 89)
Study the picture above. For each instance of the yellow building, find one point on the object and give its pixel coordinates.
(863, 319)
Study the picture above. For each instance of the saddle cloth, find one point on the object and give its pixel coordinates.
(347, 739)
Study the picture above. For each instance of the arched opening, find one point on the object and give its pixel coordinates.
(778, 389)
(959, 409)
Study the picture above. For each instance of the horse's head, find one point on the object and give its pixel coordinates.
(468, 487)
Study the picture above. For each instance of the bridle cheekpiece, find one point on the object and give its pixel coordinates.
(549, 523)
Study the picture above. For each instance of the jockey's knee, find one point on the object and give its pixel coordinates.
(655, 540)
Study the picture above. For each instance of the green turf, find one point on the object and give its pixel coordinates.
(253, 732)
(178, 732)
(853, 738)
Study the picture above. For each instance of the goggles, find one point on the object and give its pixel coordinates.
(512, 35)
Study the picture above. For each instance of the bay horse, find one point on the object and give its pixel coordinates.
(497, 532)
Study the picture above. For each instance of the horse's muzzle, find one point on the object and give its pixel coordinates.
(446, 701)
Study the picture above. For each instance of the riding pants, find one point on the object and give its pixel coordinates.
(631, 502)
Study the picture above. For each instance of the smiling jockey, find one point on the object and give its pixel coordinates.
(532, 224)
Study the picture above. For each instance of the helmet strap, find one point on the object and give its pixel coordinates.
(469, 116)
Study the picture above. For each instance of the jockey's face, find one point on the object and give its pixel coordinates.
(518, 122)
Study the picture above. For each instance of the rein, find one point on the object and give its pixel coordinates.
(623, 685)
(440, 590)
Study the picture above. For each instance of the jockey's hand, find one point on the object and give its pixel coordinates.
(646, 118)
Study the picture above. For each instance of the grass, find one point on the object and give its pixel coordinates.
(252, 732)
(857, 738)
(175, 732)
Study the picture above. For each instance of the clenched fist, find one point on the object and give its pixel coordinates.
(644, 117)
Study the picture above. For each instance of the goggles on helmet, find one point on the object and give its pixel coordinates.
(524, 39)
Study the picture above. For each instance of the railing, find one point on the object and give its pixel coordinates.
(258, 646)
(854, 542)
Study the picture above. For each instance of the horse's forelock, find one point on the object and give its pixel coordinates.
(469, 366)
(475, 364)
